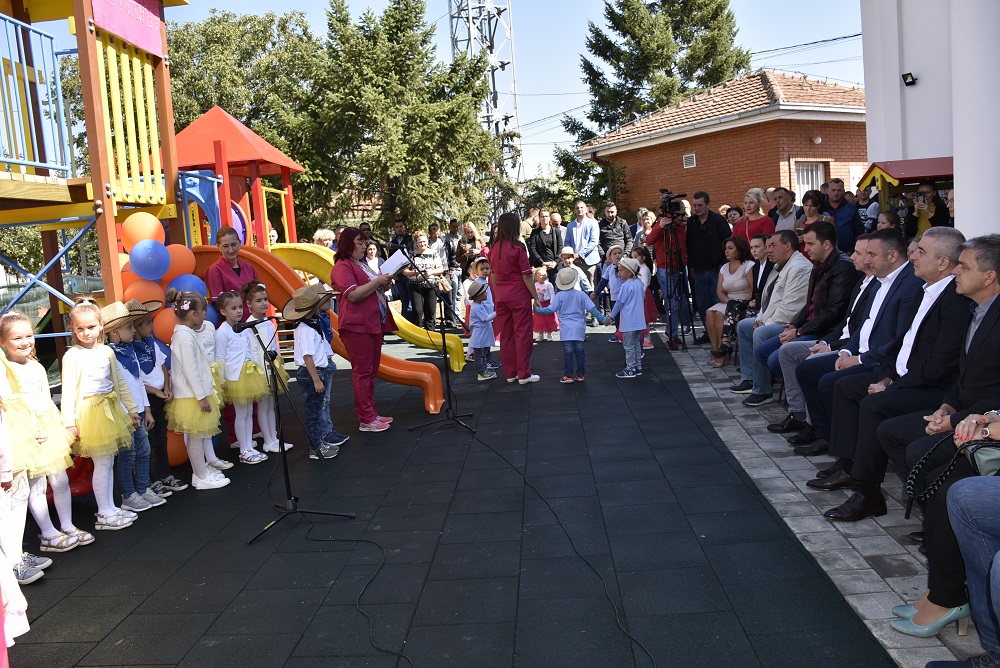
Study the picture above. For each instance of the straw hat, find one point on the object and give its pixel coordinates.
(630, 264)
(476, 289)
(115, 315)
(139, 309)
(306, 299)
(567, 250)
(567, 278)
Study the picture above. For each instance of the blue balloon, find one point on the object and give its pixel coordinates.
(188, 283)
(150, 259)
(212, 316)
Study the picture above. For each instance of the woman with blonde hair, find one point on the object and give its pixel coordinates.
(754, 219)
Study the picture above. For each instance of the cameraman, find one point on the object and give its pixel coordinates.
(706, 252)
(668, 237)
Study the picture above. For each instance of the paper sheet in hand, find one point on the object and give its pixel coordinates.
(394, 263)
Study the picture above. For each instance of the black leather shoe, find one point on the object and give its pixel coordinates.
(786, 426)
(988, 660)
(700, 340)
(817, 448)
(838, 480)
(922, 549)
(805, 436)
(826, 473)
(743, 387)
(858, 507)
(916, 536)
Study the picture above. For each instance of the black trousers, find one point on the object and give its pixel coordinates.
(159, 462)
(424, 301)
(857, 416)
(905, 442)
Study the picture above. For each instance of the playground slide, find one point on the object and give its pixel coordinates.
(282, 281)
(318, 261)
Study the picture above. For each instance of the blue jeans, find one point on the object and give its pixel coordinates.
(632, 342)
(571, 350)
(317, 404)
(750, 338)
(973, 510)
(454, 275)
(678, 314)
(135, 462)
(482, 358)
(706, 290)
(767, 364)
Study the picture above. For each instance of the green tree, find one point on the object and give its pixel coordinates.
(649, 55)
(394, 126)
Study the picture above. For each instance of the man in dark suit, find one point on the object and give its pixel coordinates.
(919, 365)
(976, 390)
(866, 348)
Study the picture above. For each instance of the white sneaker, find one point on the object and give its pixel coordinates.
(533, 378)
(152, 498)
(209, 482)
(135, 503)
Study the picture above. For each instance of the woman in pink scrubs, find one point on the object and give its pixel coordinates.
(229, 272)
(513, 292)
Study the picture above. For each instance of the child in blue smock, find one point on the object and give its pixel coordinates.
(610, 280)
(481, 317)
(572, 307)
(631, 316)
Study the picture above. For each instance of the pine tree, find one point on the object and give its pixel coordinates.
(654, 53)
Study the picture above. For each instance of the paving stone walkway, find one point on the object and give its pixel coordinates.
(670, 489)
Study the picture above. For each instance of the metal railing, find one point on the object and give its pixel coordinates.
(33, 130)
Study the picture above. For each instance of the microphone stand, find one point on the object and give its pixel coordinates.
(291, 505)
(450, 403)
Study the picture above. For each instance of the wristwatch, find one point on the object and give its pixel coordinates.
(985, 432)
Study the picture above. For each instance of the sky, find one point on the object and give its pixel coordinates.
(549, 35)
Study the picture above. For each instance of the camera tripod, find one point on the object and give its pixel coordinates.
(676, 291)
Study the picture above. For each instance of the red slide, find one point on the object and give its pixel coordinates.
(282, 281)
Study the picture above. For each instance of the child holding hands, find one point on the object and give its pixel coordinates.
(481, 318)
(572, 305)
(632, 320)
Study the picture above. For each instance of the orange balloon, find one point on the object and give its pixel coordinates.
(139, 227)
(177, 453)
(163, 324)
(128, 276)
(181, 262)
(144, 291)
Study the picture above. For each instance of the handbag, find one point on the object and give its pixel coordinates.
(983, 456)
(444, 284)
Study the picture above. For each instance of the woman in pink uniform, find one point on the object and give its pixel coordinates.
(513, 291)
(229, 272)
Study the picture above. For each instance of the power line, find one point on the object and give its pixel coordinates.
(795, 46)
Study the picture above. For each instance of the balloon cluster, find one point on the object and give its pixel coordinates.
(150, 268)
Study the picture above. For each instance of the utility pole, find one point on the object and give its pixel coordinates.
(486, 26)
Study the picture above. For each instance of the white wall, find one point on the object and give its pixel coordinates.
(950, 46)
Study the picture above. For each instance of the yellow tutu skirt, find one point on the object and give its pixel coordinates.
(219, 381)
(251, 385)
(105, 428)
(37, 457)
(186, 417)
(282, 375)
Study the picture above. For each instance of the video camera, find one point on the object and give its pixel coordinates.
(670, 204)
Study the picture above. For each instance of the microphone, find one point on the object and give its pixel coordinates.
(250, 324)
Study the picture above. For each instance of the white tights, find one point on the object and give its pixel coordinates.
(267, 420)
(38, 504)
(207, 450)
(104, 484)
(196, 448)
(243, 425)
(13, 510)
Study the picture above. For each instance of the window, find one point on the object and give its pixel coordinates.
(689, 161)
(808, 176)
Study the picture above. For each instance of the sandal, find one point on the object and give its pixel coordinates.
(82, 537)
(253, 456)
(723, 350)
(57, 543)
(220, 464)
(112, 522)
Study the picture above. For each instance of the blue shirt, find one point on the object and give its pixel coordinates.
(572, 307)
(629, 305)
(481, 321)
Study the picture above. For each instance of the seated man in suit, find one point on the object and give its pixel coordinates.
(866, 349)
(791, 354)
(830, 284)
(788, 296)
(908, 437)
(919, 365)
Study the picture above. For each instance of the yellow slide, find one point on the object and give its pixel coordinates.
(318, 261)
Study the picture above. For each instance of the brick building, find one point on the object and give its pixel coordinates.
(762, 130)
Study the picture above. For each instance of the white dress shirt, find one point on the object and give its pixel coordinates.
(931, 294)
(880, 295)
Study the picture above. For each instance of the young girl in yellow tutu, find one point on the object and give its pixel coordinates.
(92, 395)
(194, 410)
(205, 335)
(255, 297)
(37, 431)
(245, 379)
